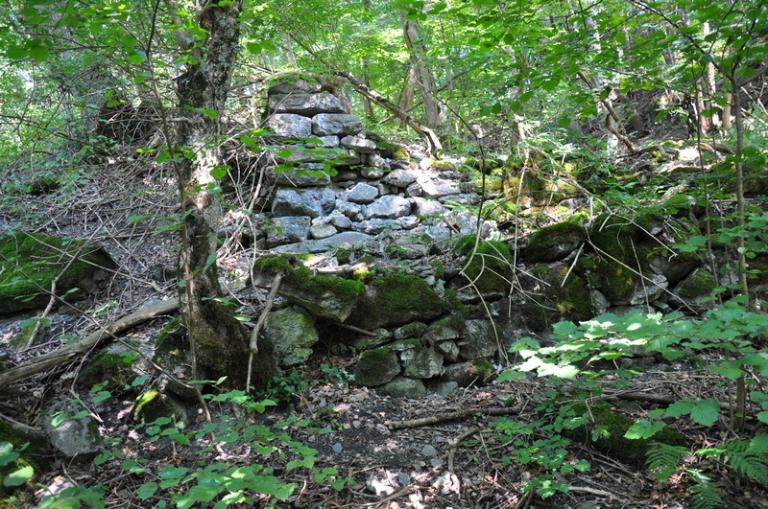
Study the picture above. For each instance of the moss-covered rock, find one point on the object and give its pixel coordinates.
(322, 295)
(554, 243)
(377, 367)
(539, 184)
(292, 333)
(490, 268)
(479, 371)
(479, 339)
(153, 404)
(555, 297)
(403, 387)
(29, 263)
(391, 150)
(113, 364)
(607, 427)
(697, 289)
(395, 298)
(424, 362)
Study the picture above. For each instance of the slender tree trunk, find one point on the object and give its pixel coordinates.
(219, 341)
(409, 84)
(433, 115)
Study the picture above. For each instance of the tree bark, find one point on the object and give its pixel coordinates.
(433, 115)
(219, 341)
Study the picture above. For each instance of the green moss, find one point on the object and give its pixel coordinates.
(29, 262)
(483, 369)
(556, 301)
(395, 298)
(302, 278)
(392, 150)
(396, 251)
(490, 268)
(608, 426)
(443, 165)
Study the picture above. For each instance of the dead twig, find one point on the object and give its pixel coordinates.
(452, 416)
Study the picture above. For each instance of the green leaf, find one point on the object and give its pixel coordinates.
(705, 412)
(220, 171)
(38, 53)
(19, 477)
(643, 428)
(762, 416)
(146, 490)
(7, 454)
(679, 408)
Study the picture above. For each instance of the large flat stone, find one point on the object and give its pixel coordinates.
(330, 124)
(289, 125)
(312, 202)
(347, 240)
(305, 104)
(284, 230)
(390, 206)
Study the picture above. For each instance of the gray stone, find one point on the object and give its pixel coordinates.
(340, 220)
(329, 141)
(449, 349)
(376, 225)
(442, 388)
(329, 124)
(291, 332)
(377, 367)
(463, 373)
(414, 190)
(402, 387)
(390, 206)
(361, 193)
(422, 362)
(461, 199)
(358, 144)
(435, 187)
(311, 174)
(305, 104)
(401, 178)
(303, 202)
(372, 172)
(322, 230)
(408, 222)
(71, 437)
(381, 338)
(348, 209)
(284, 230)
(411, 330)
(479, 340)
(428, 451)
(291, 86)
(346, 240)
(377, 161)
(288, 125)
(426, 207)
(650, 290)
(444, 329)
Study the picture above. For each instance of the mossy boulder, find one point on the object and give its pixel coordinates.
(607, 427)
(30, 262)
(153, 404)
(538, 185)
(490, 267)
(403, 387)
(479, 339)
(394, 298)
(292, 333)
(322, 295)
(697, 289)
(377, 367)
(423, 362)
(479, 371)
(556, 295)
(554, 243)
(391, 150)
(113, 364)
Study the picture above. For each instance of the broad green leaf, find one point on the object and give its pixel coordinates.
(146, 490)
(705, 412)
(19, 477)
(679, 408)
(643, 428)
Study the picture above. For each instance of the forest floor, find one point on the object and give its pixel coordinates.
(401, 453)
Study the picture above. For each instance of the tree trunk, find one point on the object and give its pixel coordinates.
(406, 96)
(433, 115)
(219, 342)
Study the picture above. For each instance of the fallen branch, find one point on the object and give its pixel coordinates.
(98, 338)
(452, 416)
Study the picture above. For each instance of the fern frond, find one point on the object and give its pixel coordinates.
(663, 460)
(747, 463)
(705, 494)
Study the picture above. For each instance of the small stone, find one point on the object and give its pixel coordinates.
(402, 387)
(426, 207)
(340, 221)
(422, 363)
(401, 178)
(390, 206)
(377, 161)
(348, 209)
(292, 333)
(442, 388)
(370, 172)
(337, 448)
(322, 231)
(329, 124)
(403, 478)
(376, 225)
(414, 190)
(411, 330)
(428, 451)
(311, 202)
(329, 141)
(284, 230)
(408, 222)
(358, 144)
(361, 193)
(436, 462)
(435, 187)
